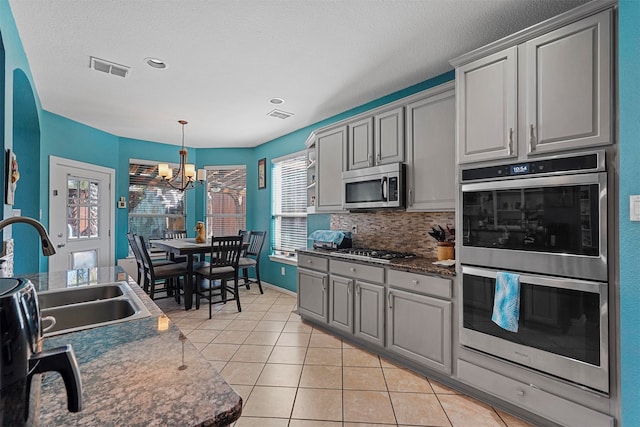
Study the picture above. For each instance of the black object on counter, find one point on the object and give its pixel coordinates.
(22, 358)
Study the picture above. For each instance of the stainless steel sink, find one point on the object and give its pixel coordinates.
(89, 306)
(48, 299)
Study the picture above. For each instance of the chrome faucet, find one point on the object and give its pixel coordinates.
(47, 246)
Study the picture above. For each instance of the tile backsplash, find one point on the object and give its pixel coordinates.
(394, 230)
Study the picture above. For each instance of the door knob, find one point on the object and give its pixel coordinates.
(61, 245)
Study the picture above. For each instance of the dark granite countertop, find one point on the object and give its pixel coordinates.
(414, 265)
(130, 370)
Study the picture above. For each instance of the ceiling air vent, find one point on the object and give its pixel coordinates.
(109, 67)
(279, 114)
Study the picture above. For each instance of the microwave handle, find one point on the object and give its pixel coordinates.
(384, 188)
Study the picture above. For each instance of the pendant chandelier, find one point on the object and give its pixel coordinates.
(185, 178)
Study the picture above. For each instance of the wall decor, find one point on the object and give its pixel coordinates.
(13, 175)
(262, 174)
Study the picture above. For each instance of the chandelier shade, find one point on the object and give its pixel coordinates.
(185, 178)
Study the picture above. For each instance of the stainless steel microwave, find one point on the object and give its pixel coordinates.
(375, 187)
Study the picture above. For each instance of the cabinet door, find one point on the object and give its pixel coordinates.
(312, 294)
(388, 136)
(341, 303)
(331, 153)
(419, 328)
(486, 96)
(360, 152)
(369, 312)
(431, 146)
(568, 86)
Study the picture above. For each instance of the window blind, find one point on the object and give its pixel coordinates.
(289, 204)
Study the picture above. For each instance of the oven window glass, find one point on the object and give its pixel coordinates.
(562, 219)
(560, 321)
(364, 191)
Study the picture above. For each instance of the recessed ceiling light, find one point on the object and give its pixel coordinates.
(156, 63)
(276, 101)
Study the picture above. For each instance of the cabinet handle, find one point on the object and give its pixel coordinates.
(378, 158)
(349, 287)
(358, 289)
(532, 139)
(510, 143)
(414, 282)
(520, 392)
(410, 197)
(309, 261)
(389, 298)
(353, 269)
(370, 160)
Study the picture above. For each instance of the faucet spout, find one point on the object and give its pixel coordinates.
(47, 246)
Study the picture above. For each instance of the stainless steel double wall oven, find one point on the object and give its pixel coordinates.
(545, 219)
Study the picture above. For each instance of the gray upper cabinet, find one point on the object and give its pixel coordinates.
(331, 155)
(389, 136)
(376, 140)
(431, 151)
(360, 153)
(568, 86)
(486, 107)
(547, 93)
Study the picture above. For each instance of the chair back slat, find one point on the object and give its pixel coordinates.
(134, 247)
(182, 234)
(142, 247)
(225, 251)
(256, 242)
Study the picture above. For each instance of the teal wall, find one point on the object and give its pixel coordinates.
(26, 145)
(629, 122)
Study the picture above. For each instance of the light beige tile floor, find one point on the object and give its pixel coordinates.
(291, 374)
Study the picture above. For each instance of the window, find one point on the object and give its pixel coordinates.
(83, 207)
(289, 209)
(226, 200)
(154, 207)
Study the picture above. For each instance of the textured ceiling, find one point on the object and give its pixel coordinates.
(227, 58)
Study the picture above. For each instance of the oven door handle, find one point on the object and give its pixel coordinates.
(537, 182)
(553, 282)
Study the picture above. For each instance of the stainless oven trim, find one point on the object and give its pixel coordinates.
(576, 371)
(600, 167)
(559, 264)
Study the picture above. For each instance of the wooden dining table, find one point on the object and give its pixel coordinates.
(186, 247)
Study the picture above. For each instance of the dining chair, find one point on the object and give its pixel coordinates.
(138, 256)
(173, 234)
(251, 258)
(222, 268)
(246, 234)
(169, 274)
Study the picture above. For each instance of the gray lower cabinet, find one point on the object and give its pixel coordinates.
(312, 294)
(369, 312)
(419, 328)
(341, 303)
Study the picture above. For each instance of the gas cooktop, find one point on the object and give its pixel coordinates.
(373, 255)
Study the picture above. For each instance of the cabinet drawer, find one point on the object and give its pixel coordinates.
(428, 285)
(313, 262)
(545, 404)
(368, 273)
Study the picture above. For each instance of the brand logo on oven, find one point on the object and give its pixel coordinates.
(519, 169)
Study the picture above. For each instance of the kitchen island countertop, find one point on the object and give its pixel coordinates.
(416, 265)
(131, 372)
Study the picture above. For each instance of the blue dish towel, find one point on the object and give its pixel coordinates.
(334, 236)
(506, 303)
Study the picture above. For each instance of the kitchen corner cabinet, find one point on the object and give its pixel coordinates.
(331, 155)
(548, 94)
(431, 130)
(376, 140)
(341, 303)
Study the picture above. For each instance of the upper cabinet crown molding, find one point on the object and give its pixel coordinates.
(539, 29)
